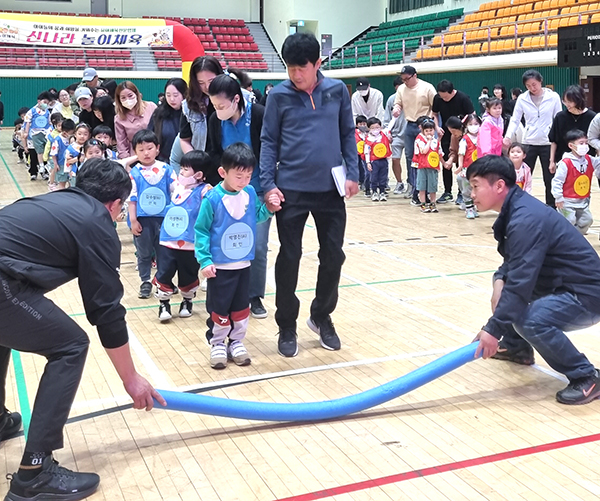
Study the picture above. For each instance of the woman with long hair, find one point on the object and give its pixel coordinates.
(166, 119)
(133, 114)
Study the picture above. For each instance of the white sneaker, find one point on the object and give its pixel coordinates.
(237, 352)
(470, 213)
(409, 191)
(164, 311)
(218, 356)
(204, 285)
(399, 188)
(375, 197)
(383, 197)
(185, 308)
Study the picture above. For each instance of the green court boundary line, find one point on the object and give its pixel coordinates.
(343, 286)
(16, 356)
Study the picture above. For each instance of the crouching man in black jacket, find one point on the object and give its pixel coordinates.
(548, 283)
(47, 241)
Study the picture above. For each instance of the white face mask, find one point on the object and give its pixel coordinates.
(187, 181)
(129, 103)
(582, 149)
(363, 93)
(227, 113)
(375, 132)
(473, 129)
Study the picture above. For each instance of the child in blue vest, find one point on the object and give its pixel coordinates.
(58, 153)
(37, 126)
(152, 185)
(176, 251)
(224, 247)
(72, 157)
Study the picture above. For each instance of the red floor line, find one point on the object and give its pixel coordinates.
(434, 470)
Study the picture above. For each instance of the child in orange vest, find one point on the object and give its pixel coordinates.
(360, 134)
(428, 153)
(467, 154)
(377, 152)
(572, 181)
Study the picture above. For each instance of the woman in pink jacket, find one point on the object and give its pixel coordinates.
(489, 139)
(133, 114)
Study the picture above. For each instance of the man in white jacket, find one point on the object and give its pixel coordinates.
(366, 100)
(539, 105)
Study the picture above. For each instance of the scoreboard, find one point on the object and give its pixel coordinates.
(579, 46)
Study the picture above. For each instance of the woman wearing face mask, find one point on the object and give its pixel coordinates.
(166, 118)
(577, 116)
(133, 115)
(104, 109)
(64, 106)
(237, 119)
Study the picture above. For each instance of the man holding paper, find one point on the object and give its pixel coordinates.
(307, 135)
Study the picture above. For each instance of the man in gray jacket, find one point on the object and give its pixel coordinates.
(308, 130)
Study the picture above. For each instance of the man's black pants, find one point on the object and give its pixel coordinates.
(329, 213)
(32, 323)
(543, 153)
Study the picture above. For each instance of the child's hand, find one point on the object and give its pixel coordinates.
(369, 167)
(209, 271)
(136, 228)
(560, 205)
(273, 201)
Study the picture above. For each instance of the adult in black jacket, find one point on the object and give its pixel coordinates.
(548, 283)
(38, 253)
(237, 119)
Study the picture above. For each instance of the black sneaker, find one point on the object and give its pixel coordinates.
(257, 310)
(287, 344)
(446, 197)
(326, 332)
(54, 482)
(580, 391)
(459, 199)
(10, 424)
(164, 311)
(368, 193)
(33, 177)
(521, 357)
(185, 308)
(145, 290)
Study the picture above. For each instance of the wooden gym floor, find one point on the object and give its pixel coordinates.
(414, 286)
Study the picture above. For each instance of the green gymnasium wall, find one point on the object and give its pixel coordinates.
(18, 92)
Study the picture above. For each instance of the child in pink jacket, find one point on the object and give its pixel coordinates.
(489, 139)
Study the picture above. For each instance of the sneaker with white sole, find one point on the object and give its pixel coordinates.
(470, 213)
(257, 309)
(218, 356)
(375, 196)
(399, 188)
(204, 285)
(326, 331)
(409, 191)
(185, 308)
(53, 482)
(383, 197)
(164, 311)
(237, 352)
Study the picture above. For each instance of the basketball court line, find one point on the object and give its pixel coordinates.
(443, 468)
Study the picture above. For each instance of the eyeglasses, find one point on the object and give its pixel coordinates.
(404, 80)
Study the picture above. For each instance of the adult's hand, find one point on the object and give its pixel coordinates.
(268, 198)
(142, 392)
(497, 292)
(397, 110)
(440, 132)
(552, 167)
(351, 188)
(488, 345)
(506, 142)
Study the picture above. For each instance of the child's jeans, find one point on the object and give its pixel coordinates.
(364, 176)
(379, 175)
(147, 245)
(465, 188)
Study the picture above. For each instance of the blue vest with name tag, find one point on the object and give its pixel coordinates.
(152, 199)
(181, 217)
(232, 240)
